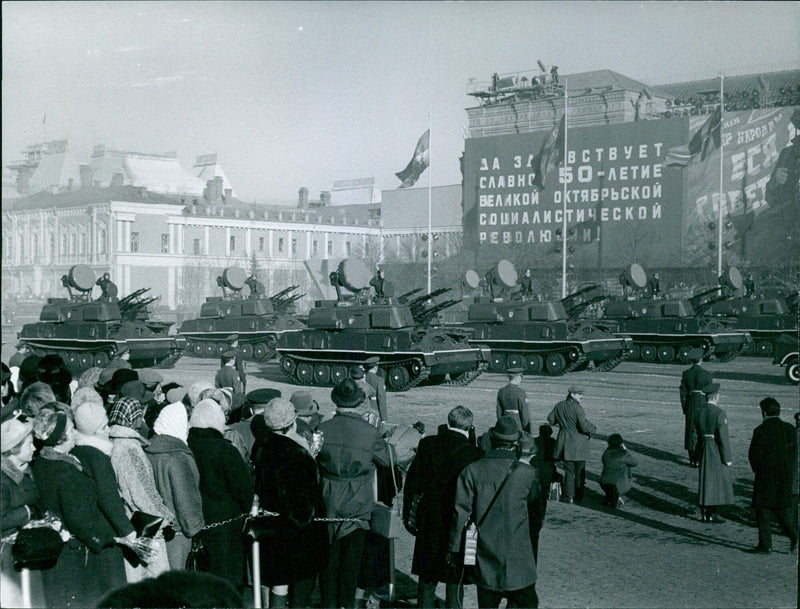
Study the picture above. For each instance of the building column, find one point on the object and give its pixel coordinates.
(325, 246)
(227, 241)
(248, 240)
(206, 238)
(308, 245)
(127, 226)
(289, 237)
(171, 237)
(269, 242)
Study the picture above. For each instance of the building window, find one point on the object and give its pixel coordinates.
(101, 241)
(62, 247)
(314, 248)
(280, 244)
(261, 244)
(134, 242)
(164, 243)
(348, 248)
(34, 246)
(21, 247)
(72, 244)
(294, 247)
(82, 244)
(52, 246)
(330, 248)
(233, 243)
(197, 247)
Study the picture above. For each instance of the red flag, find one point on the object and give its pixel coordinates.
(552, 152)
(418, 163)
(705, 141)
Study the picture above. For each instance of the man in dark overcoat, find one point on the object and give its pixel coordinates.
(714, 453)
(513, 401)
(431, 484)
(374, 379)
(495, 492)
(347, 461)
(693, 380)
(233, 344)
(572, 443)
(773, 457)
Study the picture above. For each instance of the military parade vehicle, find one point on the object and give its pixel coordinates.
(666, 330)
(257, 319)
(347, 331)
(787, 354)
(86, 332)
(766, 319)
(541, 337)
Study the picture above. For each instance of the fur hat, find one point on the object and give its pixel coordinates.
(176, 395)
(90, 377)
(348, 394)
(208, 414)
(614, 440)
(119, 377)
(53, 371)
(13, 432)
(150, 378)
(695, 355)
(356, 372)
(85, 395)
(304, 404)
(136, 390)
(50, 424)
(279, 413)
(505, 429)
(89, 417)
(195, 389)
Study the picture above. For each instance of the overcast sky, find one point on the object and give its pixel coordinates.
(293, 94)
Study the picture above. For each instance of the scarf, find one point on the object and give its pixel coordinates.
(100, 443)
(53, 455)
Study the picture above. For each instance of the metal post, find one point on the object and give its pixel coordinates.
(256, 561)
(25, 581)
(721, 166)
(430, 182)
(564, 219)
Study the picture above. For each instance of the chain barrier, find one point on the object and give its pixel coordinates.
(263, 512)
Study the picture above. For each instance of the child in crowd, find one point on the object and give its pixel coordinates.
(616, 477)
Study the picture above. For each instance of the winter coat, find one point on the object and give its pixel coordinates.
(512, 401)
(97, 465)
(347, 463)
(287, 482)
(617, 464)
(505, 553)
(227, 376)
(379, 386)
(714, 451)
(225, 484)
(773, 457)
(19, 494)
(137, 484)
(692, 381)
(572, 443)
(177, 481)
(432, 476)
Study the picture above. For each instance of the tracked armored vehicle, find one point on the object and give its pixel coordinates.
(258, 320)
(86, 332)
(787, 354)
(666, 330)
(766, 319)
(345, 332)
(541, 337)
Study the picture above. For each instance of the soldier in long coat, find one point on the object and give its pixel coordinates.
(693, 380)
(773, 457)
(431, 482)
(505, 566)
(513, 401)
(233, 342)
(714, 452)
(372, 377)
(572, 443)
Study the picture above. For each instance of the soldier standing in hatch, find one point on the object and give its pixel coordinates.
(513, 401)
(693, 380)
(108, 288)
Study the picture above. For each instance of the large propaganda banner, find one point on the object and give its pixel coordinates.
(760, 174)
(622, 204)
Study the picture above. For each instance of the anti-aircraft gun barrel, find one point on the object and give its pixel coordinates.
(404, 297)
(729, 283)
(283, 293)
(132, 296)
(580, 300)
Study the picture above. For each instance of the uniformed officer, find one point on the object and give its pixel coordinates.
(376, 381)
(357, 374)
(513, 401)
(108, 288)
(693, 380)
(233, 344)
(526, 283)
(377, 282)
(121, 359)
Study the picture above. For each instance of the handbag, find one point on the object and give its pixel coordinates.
(471, 531)
(146, 525)
(387, 521)
(555, 491)
(37, 548)
(199, 558)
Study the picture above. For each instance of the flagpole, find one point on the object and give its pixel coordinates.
(564, 219)
(430, 182)
(721, 165)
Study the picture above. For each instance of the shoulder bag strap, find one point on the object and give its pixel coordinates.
(497, 494)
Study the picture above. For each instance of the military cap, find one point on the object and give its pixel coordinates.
(372, 361)
(229, 353)
(695, 354)
(122, 350)
(262, 396)
(514, 371)
(573, 389)
(711, 388)
(232, 338)
(357, 372)
(150, 377)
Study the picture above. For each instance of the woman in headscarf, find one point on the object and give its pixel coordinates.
(90, 563)
(20, 499)
(225, 487)
(287, 482)
(135, 479)
(177, 479)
